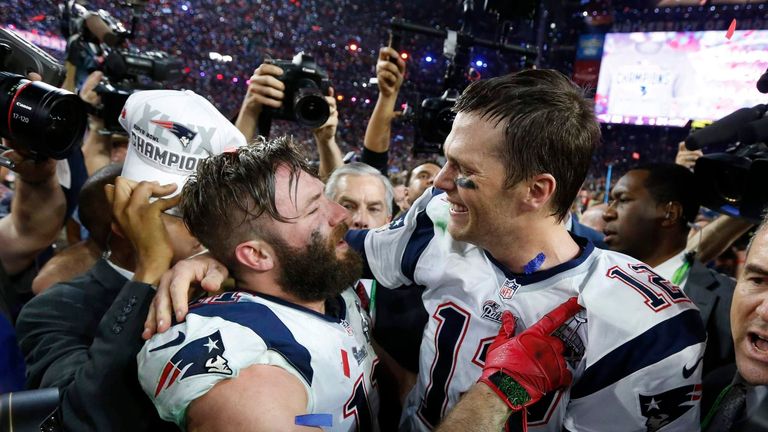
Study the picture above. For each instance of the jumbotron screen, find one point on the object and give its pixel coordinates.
(668, 78)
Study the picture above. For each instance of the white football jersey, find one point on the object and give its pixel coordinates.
(224, 334)
(634, 350)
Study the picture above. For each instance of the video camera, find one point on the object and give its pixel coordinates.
(434, 120)
(43, 121)
(305, 88)
(122, 69)
(733, 182)
(97, 43)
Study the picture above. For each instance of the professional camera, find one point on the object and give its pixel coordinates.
(96, 41)
(122, 69)
(305, 88)
(733, 182)
(43, 121)
(128, 64)
(434, 120)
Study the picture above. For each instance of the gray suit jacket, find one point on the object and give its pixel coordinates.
(712, 293)
(82, 336)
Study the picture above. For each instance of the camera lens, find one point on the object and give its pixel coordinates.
(309, 105)
(728, 184)
(39, 118)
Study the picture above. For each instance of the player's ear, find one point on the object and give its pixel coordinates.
(541, 188)
(255, 254)
(673, 214)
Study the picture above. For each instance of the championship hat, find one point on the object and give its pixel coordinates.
(170, 132)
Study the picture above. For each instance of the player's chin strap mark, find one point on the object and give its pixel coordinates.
(535, 263)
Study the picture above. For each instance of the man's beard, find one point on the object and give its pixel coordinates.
(315, 273)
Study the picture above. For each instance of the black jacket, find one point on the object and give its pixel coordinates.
(83, 336)
(712, 293)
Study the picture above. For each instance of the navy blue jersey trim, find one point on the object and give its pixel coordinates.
(420, 238)
(656, 344)
(262, 321)
(525, 279)
(356, 240)
(339, 299)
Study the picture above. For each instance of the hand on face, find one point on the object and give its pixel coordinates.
(139, 221)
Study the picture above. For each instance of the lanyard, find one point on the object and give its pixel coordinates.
(681, 272)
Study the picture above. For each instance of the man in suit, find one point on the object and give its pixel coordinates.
(648, 219)
(82, 336)
(573, 225)
(735, 397)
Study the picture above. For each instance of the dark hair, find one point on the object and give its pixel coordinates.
(549, 127)
(94, 209)
(222, 201)
(426, 162)
(760, 228)
(668, 182)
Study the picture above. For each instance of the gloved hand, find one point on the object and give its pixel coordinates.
(521, 369)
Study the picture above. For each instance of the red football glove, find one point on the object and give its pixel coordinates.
(522, 369)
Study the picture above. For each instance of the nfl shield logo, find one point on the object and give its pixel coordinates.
(508, 289)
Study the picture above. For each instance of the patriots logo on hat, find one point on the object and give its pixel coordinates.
(199, 357)
(664, 408)
(183, 133)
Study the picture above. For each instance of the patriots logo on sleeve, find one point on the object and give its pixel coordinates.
(200, 356)
(183, 133)
(664, 408)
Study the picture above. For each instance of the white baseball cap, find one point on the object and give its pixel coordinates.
(170, 132)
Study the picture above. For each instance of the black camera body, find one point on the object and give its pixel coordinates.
(113, 99)
(22, 57)
(122, 69)
(97, 42)
(126, 64)
(434, 120)
(43, 121)
(733, 182)
(305, 88)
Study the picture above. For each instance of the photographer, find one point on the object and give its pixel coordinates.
(99, 149)
(36, 213)
(267, 90)
(83, 335)
(714, 238)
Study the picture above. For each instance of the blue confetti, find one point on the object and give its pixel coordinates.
(315, 420)
(535, 263)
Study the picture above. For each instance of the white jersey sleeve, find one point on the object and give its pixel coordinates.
(181, 365)
(641, 362)
(398, 247)
(329, 353)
